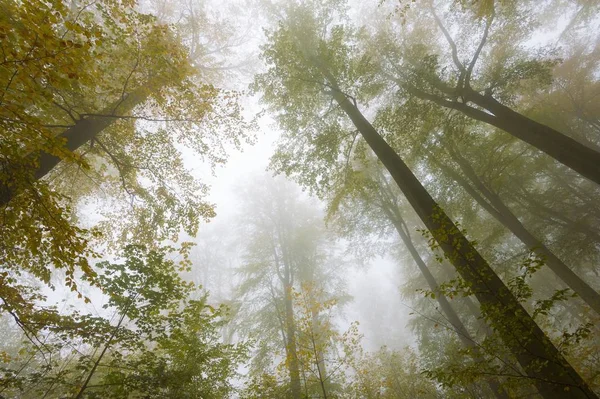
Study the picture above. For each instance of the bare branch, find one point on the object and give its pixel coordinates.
(450, 41)
(479, 48)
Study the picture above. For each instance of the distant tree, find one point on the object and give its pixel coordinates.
(286, 247)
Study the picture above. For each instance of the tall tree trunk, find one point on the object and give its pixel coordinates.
(463, 334)
(498, 209)
(540, 359)
(569, 152)
(83, 131)
(318, 346)
(291, 350)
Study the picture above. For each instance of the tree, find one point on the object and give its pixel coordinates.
(310, 63)
(286, 247)
(488, 88)
(95, 86)
(325, 354)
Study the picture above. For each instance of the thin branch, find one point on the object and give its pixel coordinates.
(451, 42)
(479, 48)
(105, 349)
(118, 165)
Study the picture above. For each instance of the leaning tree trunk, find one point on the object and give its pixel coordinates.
(569, 152)
(564, 149)
(498, 209)
(537, 355)
(83, 131)
(452, 316)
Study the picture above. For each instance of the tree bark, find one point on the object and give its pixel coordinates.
(504, 215)
(569, 152)
(83, 131)
(540, 359)
(291, 350)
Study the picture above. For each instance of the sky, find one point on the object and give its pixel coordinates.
(377, 304)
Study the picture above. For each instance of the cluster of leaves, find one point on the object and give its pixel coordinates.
(159, 343)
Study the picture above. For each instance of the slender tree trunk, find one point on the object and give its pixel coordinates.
(449, 312)
(540, 359)
(504, 215)
(105, 349)
(291, 350)
(83, 131)
(318, 347)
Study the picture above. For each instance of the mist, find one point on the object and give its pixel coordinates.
(300, 199)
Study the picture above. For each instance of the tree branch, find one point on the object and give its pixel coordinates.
(479, 48)
(451, 42)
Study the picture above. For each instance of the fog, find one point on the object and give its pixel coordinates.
(300, 199)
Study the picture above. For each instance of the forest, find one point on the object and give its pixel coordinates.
(300, 199)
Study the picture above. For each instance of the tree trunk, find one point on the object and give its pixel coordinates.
(541, 360)
(504, 215)
(564, 149)
(83, 131)
(318, 347)
(291, 350)
(451, 315)
(569, 152)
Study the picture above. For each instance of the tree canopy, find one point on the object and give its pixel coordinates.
(427, 225)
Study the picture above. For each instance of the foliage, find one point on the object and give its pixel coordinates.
(70, 64)
(158, 342)
(436, 78)
(391, 374)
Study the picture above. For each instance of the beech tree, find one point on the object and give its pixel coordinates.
(287, 249)
(310, 58)
(112, 93)
(482, 89)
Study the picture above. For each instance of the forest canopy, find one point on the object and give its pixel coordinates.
(299, 199)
